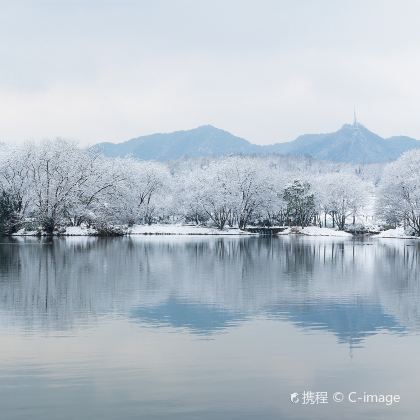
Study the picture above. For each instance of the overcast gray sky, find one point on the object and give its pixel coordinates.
(265, 70)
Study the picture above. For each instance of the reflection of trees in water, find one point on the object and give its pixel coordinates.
(57, 281)
(9, 258)
(398, 281)
(64, 281)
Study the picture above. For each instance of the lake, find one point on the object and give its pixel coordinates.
(183, 327)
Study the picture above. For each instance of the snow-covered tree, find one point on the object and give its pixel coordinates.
(399, 195)
(188, 187)
(15, 185)
(216, 193)
(140, 194)
(68, 184)
(249, 181)
(341, 195)
(55, 184)
(58, 171)
(226, 191)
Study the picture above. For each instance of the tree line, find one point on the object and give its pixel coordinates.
(54, 184)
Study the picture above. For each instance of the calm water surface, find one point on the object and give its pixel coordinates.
(207, 327)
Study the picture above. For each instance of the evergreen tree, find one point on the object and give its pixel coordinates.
(9, 213)
(300, 203)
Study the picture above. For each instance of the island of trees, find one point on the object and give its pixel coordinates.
(46, 187)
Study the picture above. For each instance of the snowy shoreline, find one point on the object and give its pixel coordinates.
(143, 230)
(185, 230)
(191, 230)
(397, 233)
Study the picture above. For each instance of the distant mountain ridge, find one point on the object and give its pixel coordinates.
(205, 140)
(352, 143)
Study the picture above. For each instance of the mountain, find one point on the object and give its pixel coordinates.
(202, 141)
(353, 143)
(400, 144)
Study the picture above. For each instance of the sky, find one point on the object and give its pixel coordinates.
(265, 70)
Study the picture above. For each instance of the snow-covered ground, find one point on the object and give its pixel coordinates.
(79, 231)
(316, 231)
(158, 229)
(398, 233)
(23, 232)
(181, 230)
(69, 231)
